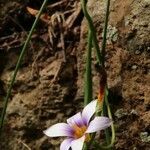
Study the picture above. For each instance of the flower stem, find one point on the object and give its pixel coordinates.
(18, 65)
(105, 112)
(88, 74)
(110, 116)
(93, 32)
(105, 30)
(106, 108)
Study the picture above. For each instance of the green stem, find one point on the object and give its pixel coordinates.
(93, 32)
(18, 65)
(110, 143)
(88, 75)
(105, 30)
(110, 116)
(106, 105)
(107, 134)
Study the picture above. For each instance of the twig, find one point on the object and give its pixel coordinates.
(56, 4)
(16, 22)
(20, 26)
(24, 144)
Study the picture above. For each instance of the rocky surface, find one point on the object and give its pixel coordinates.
(48, 90)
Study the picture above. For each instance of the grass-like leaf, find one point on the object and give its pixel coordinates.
(18, 65)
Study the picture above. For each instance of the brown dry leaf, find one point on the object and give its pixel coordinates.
(44, 17)
(32, 11)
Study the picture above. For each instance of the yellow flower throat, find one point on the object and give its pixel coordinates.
(80, 131)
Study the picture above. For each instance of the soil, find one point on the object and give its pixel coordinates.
(50, 82)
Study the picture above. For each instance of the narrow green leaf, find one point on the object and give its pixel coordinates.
(18, 65)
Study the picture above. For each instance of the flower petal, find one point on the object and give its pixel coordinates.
(66, 144)
(99, 123)
(88, 111)
(59, 129)
(75, 120)
(78, 144)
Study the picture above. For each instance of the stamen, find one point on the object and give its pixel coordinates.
(79, 131)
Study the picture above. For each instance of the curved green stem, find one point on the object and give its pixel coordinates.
(88, 74)
(93, 32)
(112, 125)
(106, 103)
(105, 113)
(18, 65)
(105, 30)
(110, 116)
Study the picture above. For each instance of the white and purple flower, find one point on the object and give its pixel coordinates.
(78, 127)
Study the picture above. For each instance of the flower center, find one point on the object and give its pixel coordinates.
(80, 131)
